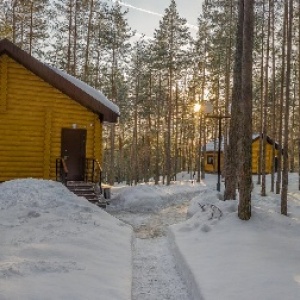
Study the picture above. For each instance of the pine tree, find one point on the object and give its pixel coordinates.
(231, 162)
(6, 28)
(285, 170)
(244, 149)
(170, 39)
(118, 48)
(30, 25)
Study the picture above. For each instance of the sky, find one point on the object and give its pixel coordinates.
(55, 245)
(144, 15)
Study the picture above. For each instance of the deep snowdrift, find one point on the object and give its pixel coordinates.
(226, 258)
(152, 198)
(55, 245)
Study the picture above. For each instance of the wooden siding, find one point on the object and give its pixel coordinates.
(255, 158)
(3, 84)
(213, 168)
(32, 114)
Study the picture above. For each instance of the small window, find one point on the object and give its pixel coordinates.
(210, 160)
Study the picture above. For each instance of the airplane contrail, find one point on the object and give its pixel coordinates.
(150, 12)
(138, 8)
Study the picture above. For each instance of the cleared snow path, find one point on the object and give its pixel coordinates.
(154, 267)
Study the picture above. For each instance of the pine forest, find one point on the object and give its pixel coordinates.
(157, 81)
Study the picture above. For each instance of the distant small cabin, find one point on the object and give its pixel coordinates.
(49, 120)
(211, 155)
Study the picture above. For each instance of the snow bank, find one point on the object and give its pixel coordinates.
(55, 245)
(222, 257)
(152, 198)
(184, 270)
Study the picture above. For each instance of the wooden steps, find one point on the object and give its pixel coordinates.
(88, 191)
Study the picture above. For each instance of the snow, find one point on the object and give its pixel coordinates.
(234, 259)
(182, 243)
(96, 94)
(213, 145)
(155, 274)
(152, 198)
(55, 245)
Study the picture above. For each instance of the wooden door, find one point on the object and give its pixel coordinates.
(73, 150)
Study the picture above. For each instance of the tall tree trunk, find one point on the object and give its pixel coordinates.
(170, 107)
(265, 104)
(169, 122)
(280, 113)
(158, 113)
(149, 131)
(273, 97)
(231, 161)
(112, 127)
(261, 119)
(14, 21)
(31, 28)
(87, 49)
(77, 9)
(245, 147)
(203, 153)
(285, 169)
(292, 134)
(135, 135)
(298, 98)
(176, 159)
(70, 36)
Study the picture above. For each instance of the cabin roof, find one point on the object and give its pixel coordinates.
(76, 89)
(213, 145)
(256, 136)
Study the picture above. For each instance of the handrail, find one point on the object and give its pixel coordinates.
(66, 171)
(100, 175)
(92, 170)
(98, 164)
(61, 170)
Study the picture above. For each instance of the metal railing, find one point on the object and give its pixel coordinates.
(92, 171)
(61, 170)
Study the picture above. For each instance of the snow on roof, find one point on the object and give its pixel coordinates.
(96, 94)
(214, 144)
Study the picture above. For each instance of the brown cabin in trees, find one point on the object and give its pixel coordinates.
(50, 122)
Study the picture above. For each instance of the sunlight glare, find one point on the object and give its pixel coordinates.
(197, 107)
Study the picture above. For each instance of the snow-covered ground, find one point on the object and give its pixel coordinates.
(155, 272)
(55, 245)
(233, 259)
(185, 244)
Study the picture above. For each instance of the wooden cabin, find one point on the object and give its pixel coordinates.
(211, 155)
(50, 122)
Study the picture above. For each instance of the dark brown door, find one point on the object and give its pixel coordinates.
(73, 143)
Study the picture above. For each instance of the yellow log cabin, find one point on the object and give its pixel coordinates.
(49, 120)
(211, 155)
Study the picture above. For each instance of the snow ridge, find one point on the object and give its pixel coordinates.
(185, 272)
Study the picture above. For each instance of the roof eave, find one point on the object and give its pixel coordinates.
(57, 81)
